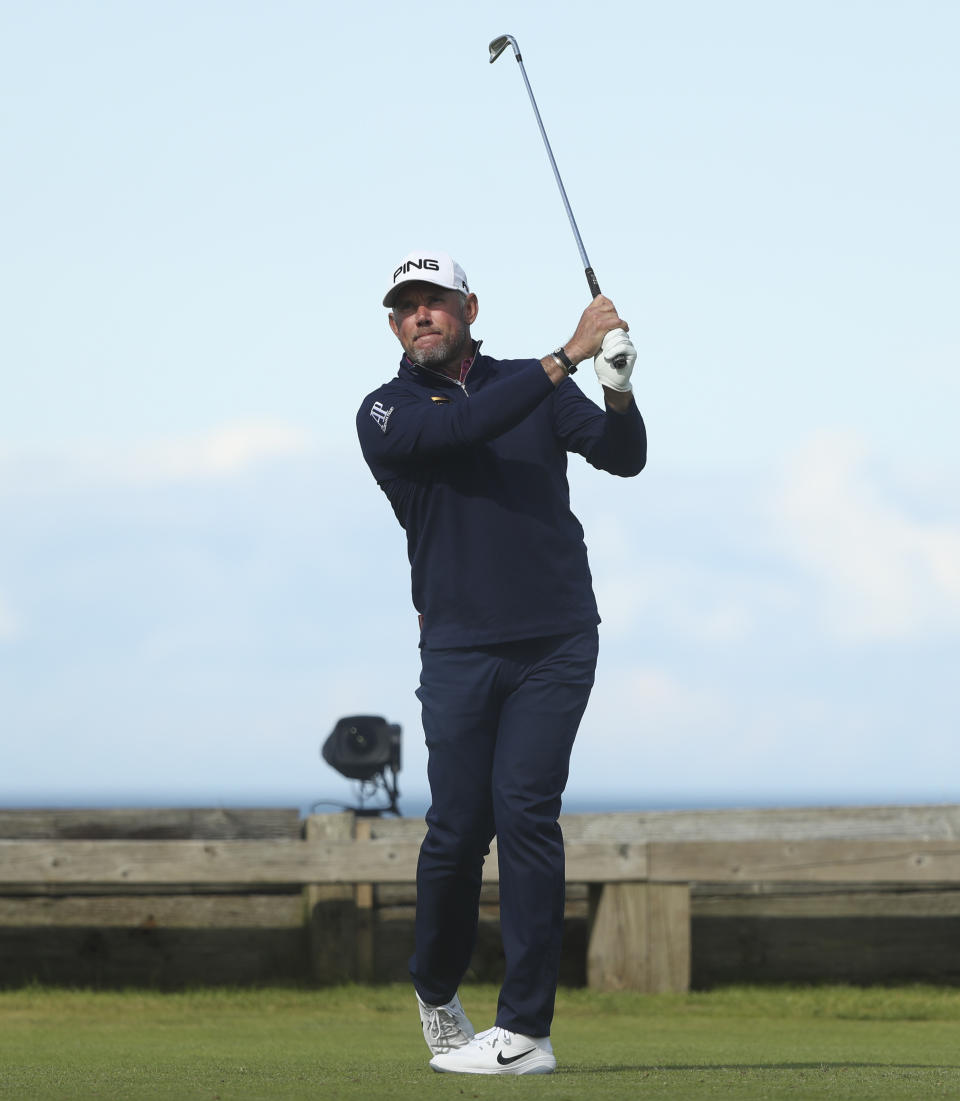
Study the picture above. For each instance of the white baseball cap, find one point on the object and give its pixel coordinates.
(426, 266)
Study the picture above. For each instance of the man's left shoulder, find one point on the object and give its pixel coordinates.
(513, 364)
(492, 368)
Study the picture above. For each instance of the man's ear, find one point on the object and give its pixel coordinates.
(471, 307)
(393, 325)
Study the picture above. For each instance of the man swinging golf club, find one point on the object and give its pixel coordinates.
(471, 452)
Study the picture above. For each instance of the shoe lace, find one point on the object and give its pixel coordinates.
(442, 1025)
(497, 1037)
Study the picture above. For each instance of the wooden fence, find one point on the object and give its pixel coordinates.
(655, 901)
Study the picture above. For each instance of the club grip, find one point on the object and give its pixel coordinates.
(621, 361)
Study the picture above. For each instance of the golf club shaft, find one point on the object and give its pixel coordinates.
(588, 270)
(497, 46)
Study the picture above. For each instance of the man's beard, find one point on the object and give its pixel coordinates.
(441, 353)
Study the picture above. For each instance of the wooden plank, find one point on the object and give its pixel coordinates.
(366, 968)
(148, 912)
(668, 921)
(588, 861)
(804, 861)
(639, 938)
(603, 862)
(258, 910)
(254, 863)
(921, 822)
(398, 829)
(815, 900)
(151, 824)
(196, 887)
(249, 863)
(405, 894)
(331, 910)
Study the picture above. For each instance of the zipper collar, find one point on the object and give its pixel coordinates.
(439, 376)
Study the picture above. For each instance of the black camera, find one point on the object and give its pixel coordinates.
(361, 747)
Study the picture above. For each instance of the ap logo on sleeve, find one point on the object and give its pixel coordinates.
(381, 415)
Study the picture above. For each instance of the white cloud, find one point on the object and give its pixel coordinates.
(884, 574)
(217, 453)
(689, 561)
(665, 702)
(691, 600)
(656, 727)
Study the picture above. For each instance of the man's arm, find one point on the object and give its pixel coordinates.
(598, 319)
(616, 400)
(610, 440)
(395, 424)
(395, 428)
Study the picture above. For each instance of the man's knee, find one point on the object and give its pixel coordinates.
(525, 819)
(458, 842)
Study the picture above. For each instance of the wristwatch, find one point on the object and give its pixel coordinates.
(565, 361)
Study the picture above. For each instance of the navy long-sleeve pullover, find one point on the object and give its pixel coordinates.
(476, 473)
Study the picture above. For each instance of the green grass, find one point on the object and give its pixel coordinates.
(353, 1042)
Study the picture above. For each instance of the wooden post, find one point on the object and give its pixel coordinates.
(639, 937)
(363, 895)
(331, 910)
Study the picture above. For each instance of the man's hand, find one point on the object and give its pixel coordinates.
(616, 346)
(595, 322)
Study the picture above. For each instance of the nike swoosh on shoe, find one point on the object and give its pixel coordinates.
(513, 1058)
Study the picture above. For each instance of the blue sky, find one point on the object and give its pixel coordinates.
(202, 205)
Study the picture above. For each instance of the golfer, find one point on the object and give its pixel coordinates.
(471, 452)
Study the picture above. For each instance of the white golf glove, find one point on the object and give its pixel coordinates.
(615, 343)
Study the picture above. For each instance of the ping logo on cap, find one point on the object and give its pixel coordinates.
(427, 267)
(425, 264)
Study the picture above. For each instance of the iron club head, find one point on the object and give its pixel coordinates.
(498, 45)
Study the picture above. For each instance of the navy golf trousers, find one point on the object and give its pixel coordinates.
(500, 723)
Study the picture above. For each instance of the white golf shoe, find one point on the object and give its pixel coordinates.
(498, 1051)
(445, 1027)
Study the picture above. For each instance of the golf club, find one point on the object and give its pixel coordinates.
(497, 46)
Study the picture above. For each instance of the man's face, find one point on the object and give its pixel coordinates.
(433, 324)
